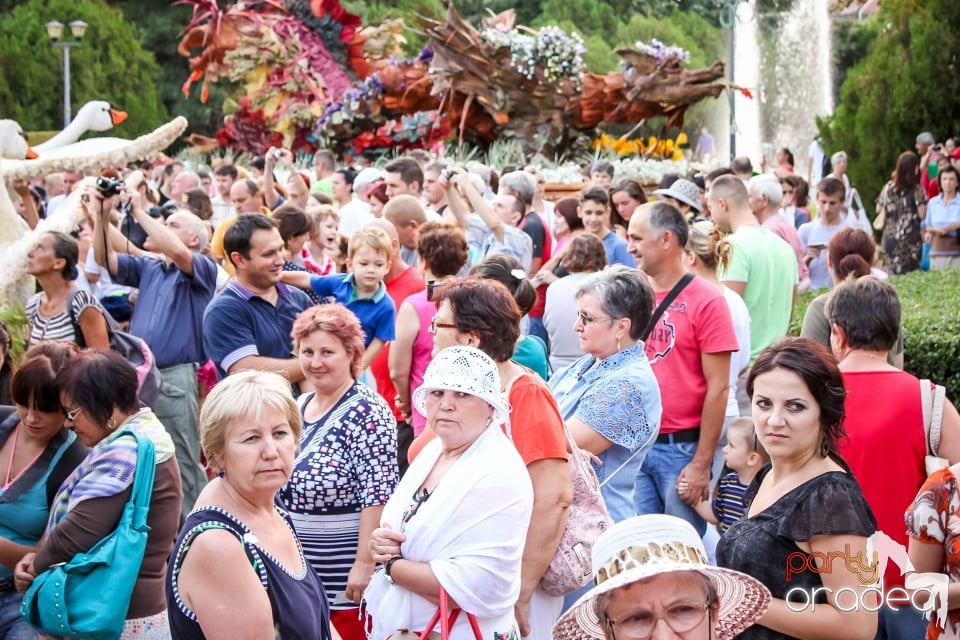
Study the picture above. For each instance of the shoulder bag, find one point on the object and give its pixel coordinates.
(932, 400)
(665, 304)
(88, 597)
(133, 349)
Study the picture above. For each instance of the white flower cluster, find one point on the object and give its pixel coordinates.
(643, 170)
(559, 53)
(660, 51)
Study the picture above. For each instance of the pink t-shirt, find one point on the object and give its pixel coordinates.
(779, 225)
(422, 350)
(698, 321)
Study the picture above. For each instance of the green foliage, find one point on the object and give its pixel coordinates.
(158, 24)
(931, 325)
(688, 30)
(851, 41)
(708, 10)
(109, 65)
(590, 16)
(15, 318)
(908, 83)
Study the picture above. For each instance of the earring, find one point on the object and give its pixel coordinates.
(111, 424)
(824, 447)
(222, 474)
(618, 343)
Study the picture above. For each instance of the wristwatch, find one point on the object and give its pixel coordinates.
(388, 566)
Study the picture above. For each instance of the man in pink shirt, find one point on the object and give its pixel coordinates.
(765, 196)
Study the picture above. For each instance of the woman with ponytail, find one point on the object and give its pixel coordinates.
(62, 311)
(849, 255)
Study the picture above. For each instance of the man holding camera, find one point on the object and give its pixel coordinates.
(176, 284)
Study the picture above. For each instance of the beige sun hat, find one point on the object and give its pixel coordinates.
(645, 546)
(468, 370)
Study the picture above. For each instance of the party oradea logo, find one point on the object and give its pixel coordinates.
(926, 592)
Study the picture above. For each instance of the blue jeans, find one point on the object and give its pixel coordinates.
(907, 622)
(656, 488)
(12, 624)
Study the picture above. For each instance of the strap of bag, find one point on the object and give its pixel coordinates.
(69, 461)
(447, 619)
(143, 477)
(662, 307)
(926, 404)
(620, 468)
(112, 325)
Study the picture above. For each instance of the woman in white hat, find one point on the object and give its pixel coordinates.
(459, 517)
(653, 582)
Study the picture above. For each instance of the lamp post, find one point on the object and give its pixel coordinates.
(55, 31)
(728, 20)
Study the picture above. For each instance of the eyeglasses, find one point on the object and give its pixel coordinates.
(586, 320)
(434, 325)
(73, 414)
(681, 618)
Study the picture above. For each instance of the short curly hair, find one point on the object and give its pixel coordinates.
(443, 248)
(338, 321)
(585, 255)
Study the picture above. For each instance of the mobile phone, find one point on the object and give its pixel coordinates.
(818, 247)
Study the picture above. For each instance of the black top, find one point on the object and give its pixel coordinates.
(299, 603)
(829, 504)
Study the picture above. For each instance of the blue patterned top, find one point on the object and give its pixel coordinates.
(346, 463)
(617, 397)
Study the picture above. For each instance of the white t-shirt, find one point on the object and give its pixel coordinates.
(739, 360)
(104, 287)
(816, 153)
(354, 215)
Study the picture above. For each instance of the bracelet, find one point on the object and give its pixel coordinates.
(388, 566)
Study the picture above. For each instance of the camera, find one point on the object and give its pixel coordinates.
(277, 153)
(109, 186)
(451, 174)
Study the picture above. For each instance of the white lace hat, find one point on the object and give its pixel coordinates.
(468, 370)
(645, 546)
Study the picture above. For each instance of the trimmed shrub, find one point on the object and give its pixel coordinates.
(931, 325)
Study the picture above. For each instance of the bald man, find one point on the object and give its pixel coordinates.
(406, 214)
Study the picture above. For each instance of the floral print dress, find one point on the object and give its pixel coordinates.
(934, 518)
(901, 230)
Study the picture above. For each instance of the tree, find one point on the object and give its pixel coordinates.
(110, 65)
(907, 83)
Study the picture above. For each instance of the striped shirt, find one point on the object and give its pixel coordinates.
(57, 327)
(728, 503)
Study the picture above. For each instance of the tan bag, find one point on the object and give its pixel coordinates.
(881, 219)
(932, 400)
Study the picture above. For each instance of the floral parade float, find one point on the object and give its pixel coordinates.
(305, 75)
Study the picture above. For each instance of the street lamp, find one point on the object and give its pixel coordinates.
(55, 30)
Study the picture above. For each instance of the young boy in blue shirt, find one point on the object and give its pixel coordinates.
(362, 290)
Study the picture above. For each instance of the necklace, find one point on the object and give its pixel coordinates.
(7, 482)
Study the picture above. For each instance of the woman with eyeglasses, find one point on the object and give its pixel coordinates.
(652, 581)
(806, 504)
(609, 398)
(459, 517)
(98, 393)
(484, 314)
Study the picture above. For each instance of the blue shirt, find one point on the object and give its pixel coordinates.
(617, 250)
(239, 323)
(940, 215)
(169, 311)
(618, 398)
(376, 314)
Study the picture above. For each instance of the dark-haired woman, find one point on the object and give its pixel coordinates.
(90, 502)
(625, 196)
(566, 223)
(53, 262)
(295, 227)
(796, 195)
(806, 504)
(885, 444)
(36, 455)
(903, 203)
(530, 350)
(849, 255)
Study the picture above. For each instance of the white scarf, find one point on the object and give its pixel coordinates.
(471, 530)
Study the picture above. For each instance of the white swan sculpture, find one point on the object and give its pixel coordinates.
(92, 154)
(13, 145)
(97, 115)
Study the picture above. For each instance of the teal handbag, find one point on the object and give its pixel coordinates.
(88, 596)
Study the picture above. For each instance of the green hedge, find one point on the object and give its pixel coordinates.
(931, 325)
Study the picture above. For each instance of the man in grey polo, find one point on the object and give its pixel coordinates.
(176, 284)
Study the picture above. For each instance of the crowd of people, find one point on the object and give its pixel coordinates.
(376, 385)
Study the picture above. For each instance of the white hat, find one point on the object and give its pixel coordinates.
(683, 190)
(645, 546)
(465, 369)
(370, 175)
